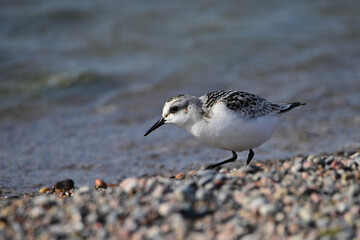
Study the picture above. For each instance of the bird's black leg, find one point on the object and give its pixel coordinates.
(250, 156)
(232, 159)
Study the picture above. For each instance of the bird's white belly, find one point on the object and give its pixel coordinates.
(231, 132)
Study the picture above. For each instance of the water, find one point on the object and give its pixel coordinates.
(82, 81)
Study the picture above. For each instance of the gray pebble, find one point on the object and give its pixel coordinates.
(205, 179)
(305, 214)
(257, 202)
(267, 210)
(297, 167)
(166, 209)
(203, 194)
(186, 192)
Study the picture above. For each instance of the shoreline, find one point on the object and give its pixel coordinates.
(301, 197)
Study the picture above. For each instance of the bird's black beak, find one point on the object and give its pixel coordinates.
(155, 126)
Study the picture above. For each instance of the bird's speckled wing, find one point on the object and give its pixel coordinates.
(244, 103)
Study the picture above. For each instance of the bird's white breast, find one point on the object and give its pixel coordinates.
(228, 130)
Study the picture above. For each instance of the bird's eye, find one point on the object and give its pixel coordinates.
(174, 109)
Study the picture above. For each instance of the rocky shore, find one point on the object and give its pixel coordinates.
(305, 197)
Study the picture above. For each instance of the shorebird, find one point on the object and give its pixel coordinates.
(231, 120)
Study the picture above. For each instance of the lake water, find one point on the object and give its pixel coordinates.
(81, 82)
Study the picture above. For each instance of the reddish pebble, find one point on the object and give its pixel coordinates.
(307, 164)
(287, 165)
(239, 174)
(100, 183)
(179, 176)
(304, 175)
(219, 182)
(259, 164)
(315, 197)
(336, 164)
(165, 228)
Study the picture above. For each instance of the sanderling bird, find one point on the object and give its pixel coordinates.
(231, 120)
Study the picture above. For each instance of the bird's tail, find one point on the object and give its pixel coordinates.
(290, 106)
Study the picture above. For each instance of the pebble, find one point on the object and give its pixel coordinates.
(203, 194)
(44, 190)
(267, 210)
(297, 167)
(129, 185)
(257, 202)
(64, 185)
(205, 179)
(219, 179)
(100, 183)
(313, 197)
(159, 191)
(186, 192)
(305, 214)
(329, 160)
(179, 176)
(165, 209)
(37, 212)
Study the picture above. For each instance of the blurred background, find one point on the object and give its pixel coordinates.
(81, 82)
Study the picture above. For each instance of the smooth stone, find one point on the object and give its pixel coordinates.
(257, 203)
(297, 167)
(153, 232)
(203, 194)
(37, 212)
(65, 185)
(166, 209)
(341, 207)
(158, 192)
(353, 191)
(205, 179)
(130, 224)
(180, 226)
(305, 214)
(186, 191)
(279, 216)
(267, 210)
(43, 190)
(219, 179)
(129, 185)
(91, 218)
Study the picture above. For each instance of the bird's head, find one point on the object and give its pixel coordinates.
(179, 110)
